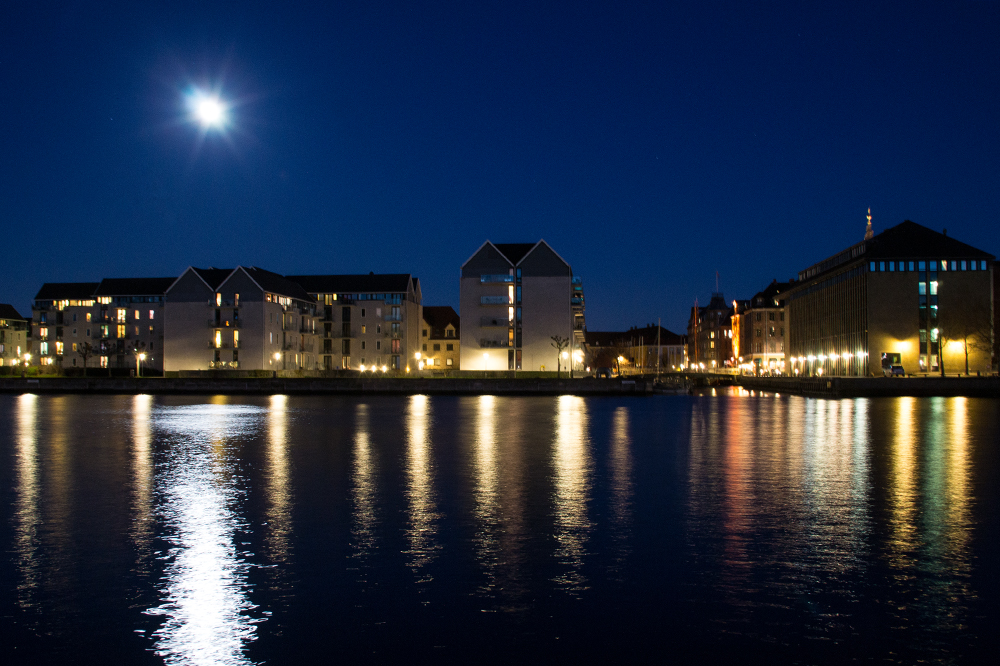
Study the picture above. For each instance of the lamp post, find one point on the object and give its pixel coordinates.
(139, 357)
(27, 362)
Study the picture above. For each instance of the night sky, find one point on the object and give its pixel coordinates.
(651, 144)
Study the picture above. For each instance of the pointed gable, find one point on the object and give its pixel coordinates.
(487, 260)
(543, 261)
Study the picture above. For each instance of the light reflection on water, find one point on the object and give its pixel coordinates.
(571, 462)
(206, 610)
(421, 531)
(26, 515)
(787, 521)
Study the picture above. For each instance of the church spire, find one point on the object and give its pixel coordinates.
(868, 232)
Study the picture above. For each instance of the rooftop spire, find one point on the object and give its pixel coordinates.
(868, 232)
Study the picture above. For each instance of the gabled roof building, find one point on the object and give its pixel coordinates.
(514, 298)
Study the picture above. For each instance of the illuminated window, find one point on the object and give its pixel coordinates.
(236, 301)
(218, 299)
(218, 339)
(104, 361)
(152, 314)
(88, 316)
(43, 348)
(136, 314)
(74, 346)
(364, 329)
(934, 287)
(450, 361)
(121, 330)
(236, 339)
(122, 313)
(59, 348)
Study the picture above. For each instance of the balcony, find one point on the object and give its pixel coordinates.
(492, 344)
(494, 300)
(494, 322)
(394, 317)
(223, 365)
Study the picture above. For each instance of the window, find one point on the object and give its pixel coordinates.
(781, 316)
(88, 332)
(74, 332)
(911, 266)
(423, 333)
(449, 347)
(378, 344)
(152, 314)
(921, 265)
(43, 348)
(757, 332)
(137, 330)
(450, 361)
(364, 329)
(218, 299)
(88, 317)
(378, 328)
(757, 316)
(881, 265)
(771, 332)
(74, 314)
(922, 288)
(713, 344)
(782, 332)
(963, 268)
(121, 316)
(954, 265)
(121, 330)
(218, 339)
(236, 339)
(395, 346)
(437, 347)
(362, 312)
(871, 266)
(74, 346)
(136, 314)
(236, 302)
(424, 347)
(450, 333)
(363, 345)
(770, 316)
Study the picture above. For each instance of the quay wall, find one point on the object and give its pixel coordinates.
(850, 387)
(329, 386)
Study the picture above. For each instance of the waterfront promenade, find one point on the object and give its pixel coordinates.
(331, 386)
(849, 387)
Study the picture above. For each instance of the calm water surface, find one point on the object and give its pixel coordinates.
(223, 530)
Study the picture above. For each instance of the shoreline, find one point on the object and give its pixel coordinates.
(872, 387)
(329, 386)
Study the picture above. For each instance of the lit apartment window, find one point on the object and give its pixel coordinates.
(236, 339)
(121, 330)
(136, 314)
(104, 361)
(218, 299)
(152, 314)
(218, 339)
(74, 346)
(88, 317)
(59, 348)
(364, 329)
(450, 362)
(236, 301)
(122, 313)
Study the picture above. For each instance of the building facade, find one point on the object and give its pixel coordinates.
(440, 339)
(129, 318)
(909, 297)
(710, 335)
(514, 299)
(366, 322)
(59, 309)
(758, 331)
(645, 350)
(14, 331)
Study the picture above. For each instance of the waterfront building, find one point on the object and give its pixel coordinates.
(128, 319)
(244, 318)
(638, 350)
(710, 335)
(13, 336)
(59, 308)
(366, 321)
(758, 330)
(440, 344)
(514, 298)
(909, 297)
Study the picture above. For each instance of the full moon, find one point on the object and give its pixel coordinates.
(209, 111)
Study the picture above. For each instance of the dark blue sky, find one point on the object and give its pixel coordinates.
(651, 144)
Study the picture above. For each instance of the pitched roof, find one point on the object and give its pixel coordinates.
(766, 297)
(438, 317)
(353, 284)
(7, 311)
(133, 286)
(54, 291)
(277, 284)
(213, 276)
(909, 240)
(632, 337)
(514, 252)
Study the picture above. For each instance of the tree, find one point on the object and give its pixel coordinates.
(559, 343)
(85, 351)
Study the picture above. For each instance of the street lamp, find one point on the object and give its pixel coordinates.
(139, 357)
(486, 361)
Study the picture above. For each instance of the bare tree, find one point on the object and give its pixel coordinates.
(85, 350)
(559, 343)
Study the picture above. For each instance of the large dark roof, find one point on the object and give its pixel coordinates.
(632, 337)
(213, 276)
(438, 317)
(354, 284)
(911, 240)
(766, 298)
(514, 251)
(277, 284)
(7, 311)
(133, 286)
(56, 291)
